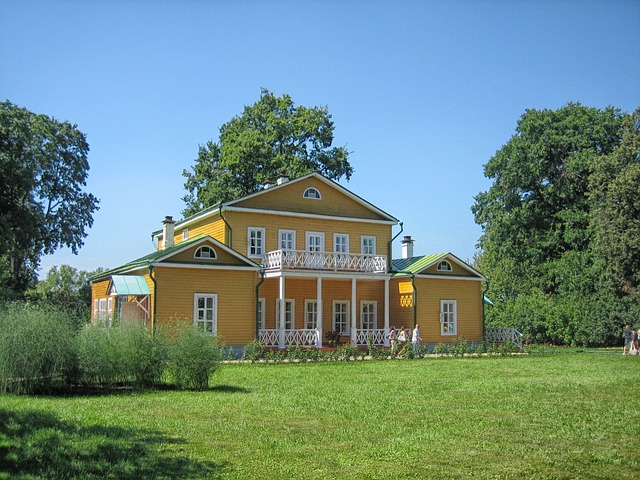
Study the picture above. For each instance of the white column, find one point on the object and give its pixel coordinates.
(386, 312)
(354, 333)
(282, 313)
(319, 300)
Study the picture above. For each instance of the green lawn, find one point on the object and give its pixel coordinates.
(531, 417)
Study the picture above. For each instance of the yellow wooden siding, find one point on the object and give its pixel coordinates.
(301, 289)
(236, 299)
(241, 221)
(468, 295)
(222, 256)
(456, 270)
(289, 198)
(213, 226)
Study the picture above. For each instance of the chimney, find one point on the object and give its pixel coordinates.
(407, 247)
(167, 232)
(282, 178)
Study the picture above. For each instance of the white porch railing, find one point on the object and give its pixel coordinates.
(280, 259)
(503, 335)
(307, 337)
(377, 337)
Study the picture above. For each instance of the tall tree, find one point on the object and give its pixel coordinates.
(271, 137)
(43, 167)
(537, 240)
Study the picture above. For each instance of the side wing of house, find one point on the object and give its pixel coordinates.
(441, 293)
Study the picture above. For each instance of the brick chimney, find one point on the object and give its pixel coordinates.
(407, 247)
(167, 232)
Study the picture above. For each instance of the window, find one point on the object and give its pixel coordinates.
(255, 240)
(205, 312)
(185, 234)
(287, 239)
(444, 266)
(448, 317)
(205, 252)
(315, 242)
(261, 314)
(110, 310)
(368, 315)
(95, 311)
(288, 314)
(312, 193)
(368, 245)
(103, 312)
(310, 314)
(341, 317)
(340, 243)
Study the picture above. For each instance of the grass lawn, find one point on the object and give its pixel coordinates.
(531, 417)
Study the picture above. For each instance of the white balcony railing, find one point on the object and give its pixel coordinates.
(291, 259)
(306, 337)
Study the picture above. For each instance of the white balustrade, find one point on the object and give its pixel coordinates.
(271, 337)
(291, 259)
(377, 337)
(503, 335)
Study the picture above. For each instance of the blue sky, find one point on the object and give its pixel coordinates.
(423, 93)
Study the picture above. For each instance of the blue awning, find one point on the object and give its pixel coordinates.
(129, 285)
(487, 301)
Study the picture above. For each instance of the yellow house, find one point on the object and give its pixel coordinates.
(289, 264)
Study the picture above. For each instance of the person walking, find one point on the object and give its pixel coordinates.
(392, 340)
(415, 338)
(627, 339)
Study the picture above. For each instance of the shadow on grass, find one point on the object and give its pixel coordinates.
(36, 444)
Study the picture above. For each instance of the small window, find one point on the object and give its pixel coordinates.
(312, 193)
(205, 252)
(205, 312)
(368, 246)
(444, 266)
(341, 317)
(255, 240)
(185, 234)
(261, 314)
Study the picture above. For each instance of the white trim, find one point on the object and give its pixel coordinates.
(309, 215)
(263, 242)
(375, 244)
(342, 236)
(454, 332)
(262, 307)
(347, 321)
(319, 235)
(200, 249)
(307, 302)
(448, 267)
(328, 274)
(213, 308)
(286, 231)
(196, 266)
(316, 191)
(375, 314)
(292, 302)
(185, 234)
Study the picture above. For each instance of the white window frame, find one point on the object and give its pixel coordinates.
(341, 242)
(205, 257)
(262, 324)
(448, 317)
(255, 242)
(185, 234)
(368, 244)
(110, 310)
(319, 248)
(341, 321)
(372, 307)
(444, 266)
(287, 239)
(289, 313)
(201, 319)
(96, 311)
(312, 193)
(310, 314)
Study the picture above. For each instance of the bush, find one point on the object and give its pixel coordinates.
(121, 355)
(194, 356)
(36, 348)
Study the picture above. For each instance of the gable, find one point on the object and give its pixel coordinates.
(427, 265)
(334, 200)
(222, 255)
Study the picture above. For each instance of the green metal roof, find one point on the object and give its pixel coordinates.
(148, 259)
(415, 265)
(129, 285)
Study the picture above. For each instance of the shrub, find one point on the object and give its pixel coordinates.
(36, 348)
(253, 351)
(126, 354)
(194, 356)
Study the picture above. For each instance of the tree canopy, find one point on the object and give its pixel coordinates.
(560, 239)
(43, 169)
(271, 137)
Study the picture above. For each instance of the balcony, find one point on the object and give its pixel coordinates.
(347, 262)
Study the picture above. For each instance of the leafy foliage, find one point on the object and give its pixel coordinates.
(561, 236)
(194, 356)
(43, 167)
(271, 137)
